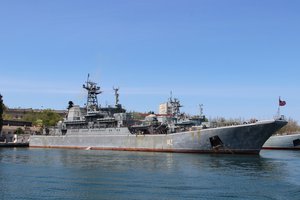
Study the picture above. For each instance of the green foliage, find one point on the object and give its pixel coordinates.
(19, 131)
(7, 116)
(137, 116)
(38, 122)
(1, 106)
(4, 107)
(45, 118)
(1, 113)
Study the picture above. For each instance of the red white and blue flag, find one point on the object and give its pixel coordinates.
(281, 102)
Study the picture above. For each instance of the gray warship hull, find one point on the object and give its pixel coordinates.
(242, 139)
(283, 142)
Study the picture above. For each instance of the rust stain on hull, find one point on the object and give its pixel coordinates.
(280, 148)
(255, 152)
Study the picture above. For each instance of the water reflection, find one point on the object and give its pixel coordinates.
(88, 174)
(151, 162)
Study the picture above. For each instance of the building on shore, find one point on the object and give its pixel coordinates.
(16, 129)
(11, 131)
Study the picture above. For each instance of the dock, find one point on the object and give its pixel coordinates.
(12, 144)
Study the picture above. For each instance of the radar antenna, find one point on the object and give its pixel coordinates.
(93, 91)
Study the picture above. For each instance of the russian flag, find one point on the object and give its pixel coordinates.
(281, 102)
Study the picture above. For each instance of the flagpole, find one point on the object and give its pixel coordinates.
(280, 103)
(279, 107)
(278, 111)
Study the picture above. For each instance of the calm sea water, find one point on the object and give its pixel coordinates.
(27, 173)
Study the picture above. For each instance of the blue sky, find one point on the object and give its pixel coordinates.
(234, 56)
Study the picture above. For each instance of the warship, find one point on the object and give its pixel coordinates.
(283, 142)
(112, 128)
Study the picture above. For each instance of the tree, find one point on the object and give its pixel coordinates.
(6, 116)
(1, 113)
(137, 116)
(19, 131)
(45, 118)
(291, 127)
(50, 118)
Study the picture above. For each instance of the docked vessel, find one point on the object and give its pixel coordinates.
(112, 128)
(283, 142)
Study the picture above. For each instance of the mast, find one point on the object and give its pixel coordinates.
(93, 91)
(174, 106)
(116, 96)
(201, 110)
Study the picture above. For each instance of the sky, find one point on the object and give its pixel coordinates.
(236, 57)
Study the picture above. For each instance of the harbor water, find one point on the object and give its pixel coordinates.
(29, 173)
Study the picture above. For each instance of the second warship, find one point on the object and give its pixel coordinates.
(112, 128)
(283, 142)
